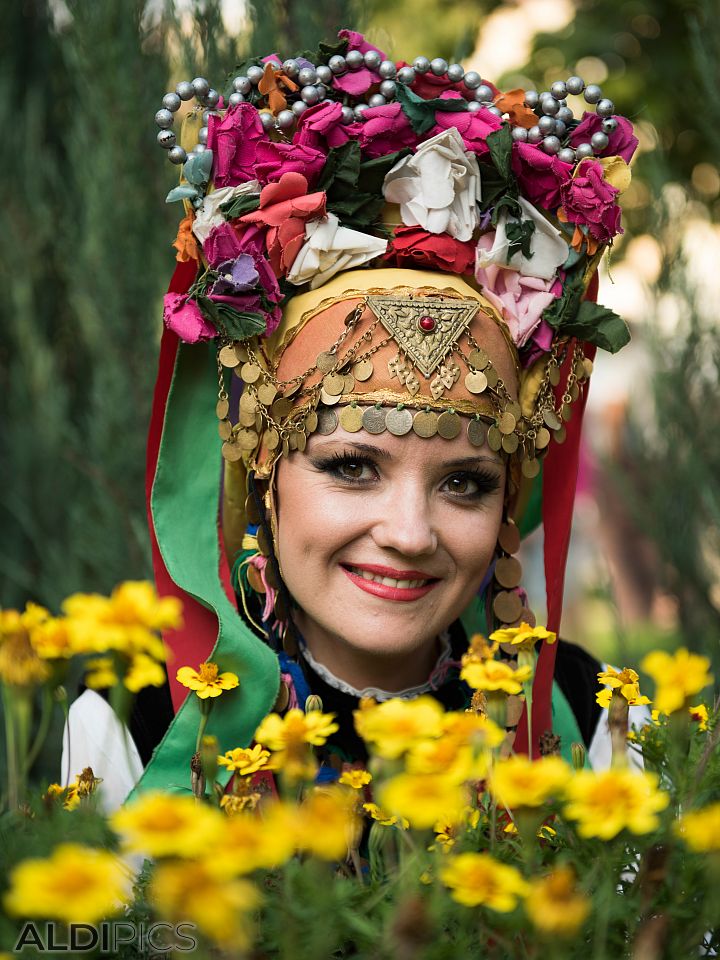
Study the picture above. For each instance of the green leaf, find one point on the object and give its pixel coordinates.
(182, 192)
(500, 145)
(236, 325)
(347, 195)
(341, 169)
(519, 234)
(564, 309)
(421, 113)
(327, 50)
(246, 203)
(599, 325)
(373, 172)
(198, 167)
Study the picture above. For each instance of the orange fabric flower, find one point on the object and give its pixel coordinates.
(185, 242)
(269, 86)
(513, 103)
(579, 238)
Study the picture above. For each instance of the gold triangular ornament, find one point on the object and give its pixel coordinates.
(404, 317)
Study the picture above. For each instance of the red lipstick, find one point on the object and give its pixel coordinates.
(385, 592)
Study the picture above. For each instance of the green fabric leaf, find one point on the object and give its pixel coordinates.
(182, 192)
(373, 172)
(519, 234)
(354, 206)
(198, 167)
(493, 186)
(237, 326)
(421, 113)
(246, 203)
(500, 145)
(599, 325)
(563, 310)
(341, 169)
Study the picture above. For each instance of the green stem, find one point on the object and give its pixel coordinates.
(201, 729)
(46, 710)
(11, 749)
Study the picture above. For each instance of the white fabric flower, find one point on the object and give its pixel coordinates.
(549, 250)
(330, 248)
(209, 215)
(438, 187)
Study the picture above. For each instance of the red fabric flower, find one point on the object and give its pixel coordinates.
(472, 127)
(234, 140)
(285, 207)
(540, 175)
(622, 143)
(321, 127)
(589, 200)
(275, 159)
(415, 247)
(386, 129)
(357, 82)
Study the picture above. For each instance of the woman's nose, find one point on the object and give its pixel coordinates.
(404, 524)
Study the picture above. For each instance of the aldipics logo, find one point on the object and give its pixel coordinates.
(154, 939)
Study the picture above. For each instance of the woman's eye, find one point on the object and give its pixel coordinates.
(353, 470)
(470, 487)
(461, 485)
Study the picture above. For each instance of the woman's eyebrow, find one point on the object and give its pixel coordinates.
(380, 453)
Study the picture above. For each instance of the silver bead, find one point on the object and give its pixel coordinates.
(171, 102)
(609, 125)
(347, 115)
(534, 134)
(551, 145)
(310, 95)
(372, 59)
(201, 87)
(387, 70)
(421, 64)
(549, 106)
(377, 100)
(560, 129)
(567, 155)
(559, 89)
(531, 98)
(307, 76)
(455, 72)
(605, 108)
(185, 90)
(473, 106)
(575, 85)
(206, 116)
(324, 74)
(242, 85)
(177, 155)
(354, 59)
(520, 134)
(298, 108)
(322, 90)
(199, 148)
(472, 79)
(593, 93)
(564, 114)
(212, 98)
(599, 141)
(337, 64)
(496, 110)
(285, 119)
(290, 67)
(406, 75)
(254, 75)
(388, 88)
(583, 150)
(164, 118)
(203, 134)
(438, 66)
(359, 110)
(546, 125)
(268, 121)
(166, 139)
(484, 93)
(235, 98)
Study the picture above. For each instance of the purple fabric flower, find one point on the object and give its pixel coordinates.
(357, 82)
(183, 316)
(622, 143)
(473, 127)
(222, 244)
(589, 200)
(236, 276)
(275, 159)
(386, 129)
(539, 175)
(321, 127)
(234, 140)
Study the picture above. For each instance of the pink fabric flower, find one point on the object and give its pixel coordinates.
(415, 247)
(357, 82)
(234, 140)
(275, 159)
(540, 175)
(183, 316)
(589, 200)
(520, 300)
(386, 129)
(473, 127)
(285, 207)
(321, 127)
(222, 244)
(539, 342)
(622, 143)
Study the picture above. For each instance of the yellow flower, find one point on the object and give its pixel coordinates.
(447, 829)
(385, 819)
(192, 893)
(422, 798)
(394, 726)
(612, 800)
(700, 829)
(245, 761)
(491, 675)
(544, 831)
(554, 905)
(295, 728)
(68, 796)
(477, 879)
(136, 602)
(626, 682)
(523, 637)
(162, 824)
(480, 648)
(20, 665)
(87, 783)
(101, 673)
(232, 804)
(206, 682)
(520, 782)
(53, 639)
(357, 779)
(326, 824)
(448, 757)
(251, 842)
(144, 672)
(76, 884)
(700, 715)
(678, 677)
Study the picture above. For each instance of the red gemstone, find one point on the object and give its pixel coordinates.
(427, 324)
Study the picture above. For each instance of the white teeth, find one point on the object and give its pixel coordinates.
(366, 575)
(404, 584)
(388, 581)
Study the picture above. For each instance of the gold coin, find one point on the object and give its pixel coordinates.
(349, 384)
(362, 370)
(263, 542)
(251, 509)
(222, 409)
(507, 423)
(494, 439)
(476, 382)
(425, 423)
(283, 698)
(566, 412)
(250, 372)
(574, 391)
(554, 374)
(510, 442)
(285, 447)
(527, 616)
(509, 537)
(449, 425)
(327, 421)
(333, 383)
(477, 432)
(301, 440)
(231, 451)
(374, 420)
(326, 362)
(514, 408)
(351, 419)
(507, 606)
(247, 418)
(254, 579)
(560, 435)
(530, 468)
(588, 364)
(311, 422)
(492, 376)
(266, 394)
(543, 438)
(281, 408)
(247, 439)
(272, 439)
(292, 440)
(579, 369)
(399, 422)
(551, 419)
(328, 399)
(225, 429)
(228, 357)
(271, 576)
(478, 359)
(248, 401)
(508, 572)
(291, 389)
(241, 353)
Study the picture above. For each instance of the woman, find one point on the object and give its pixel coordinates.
(387, 431)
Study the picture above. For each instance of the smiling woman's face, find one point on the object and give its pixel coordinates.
(382, 542)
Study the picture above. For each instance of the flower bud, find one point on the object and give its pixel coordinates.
(578, 753)
(313, 702)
